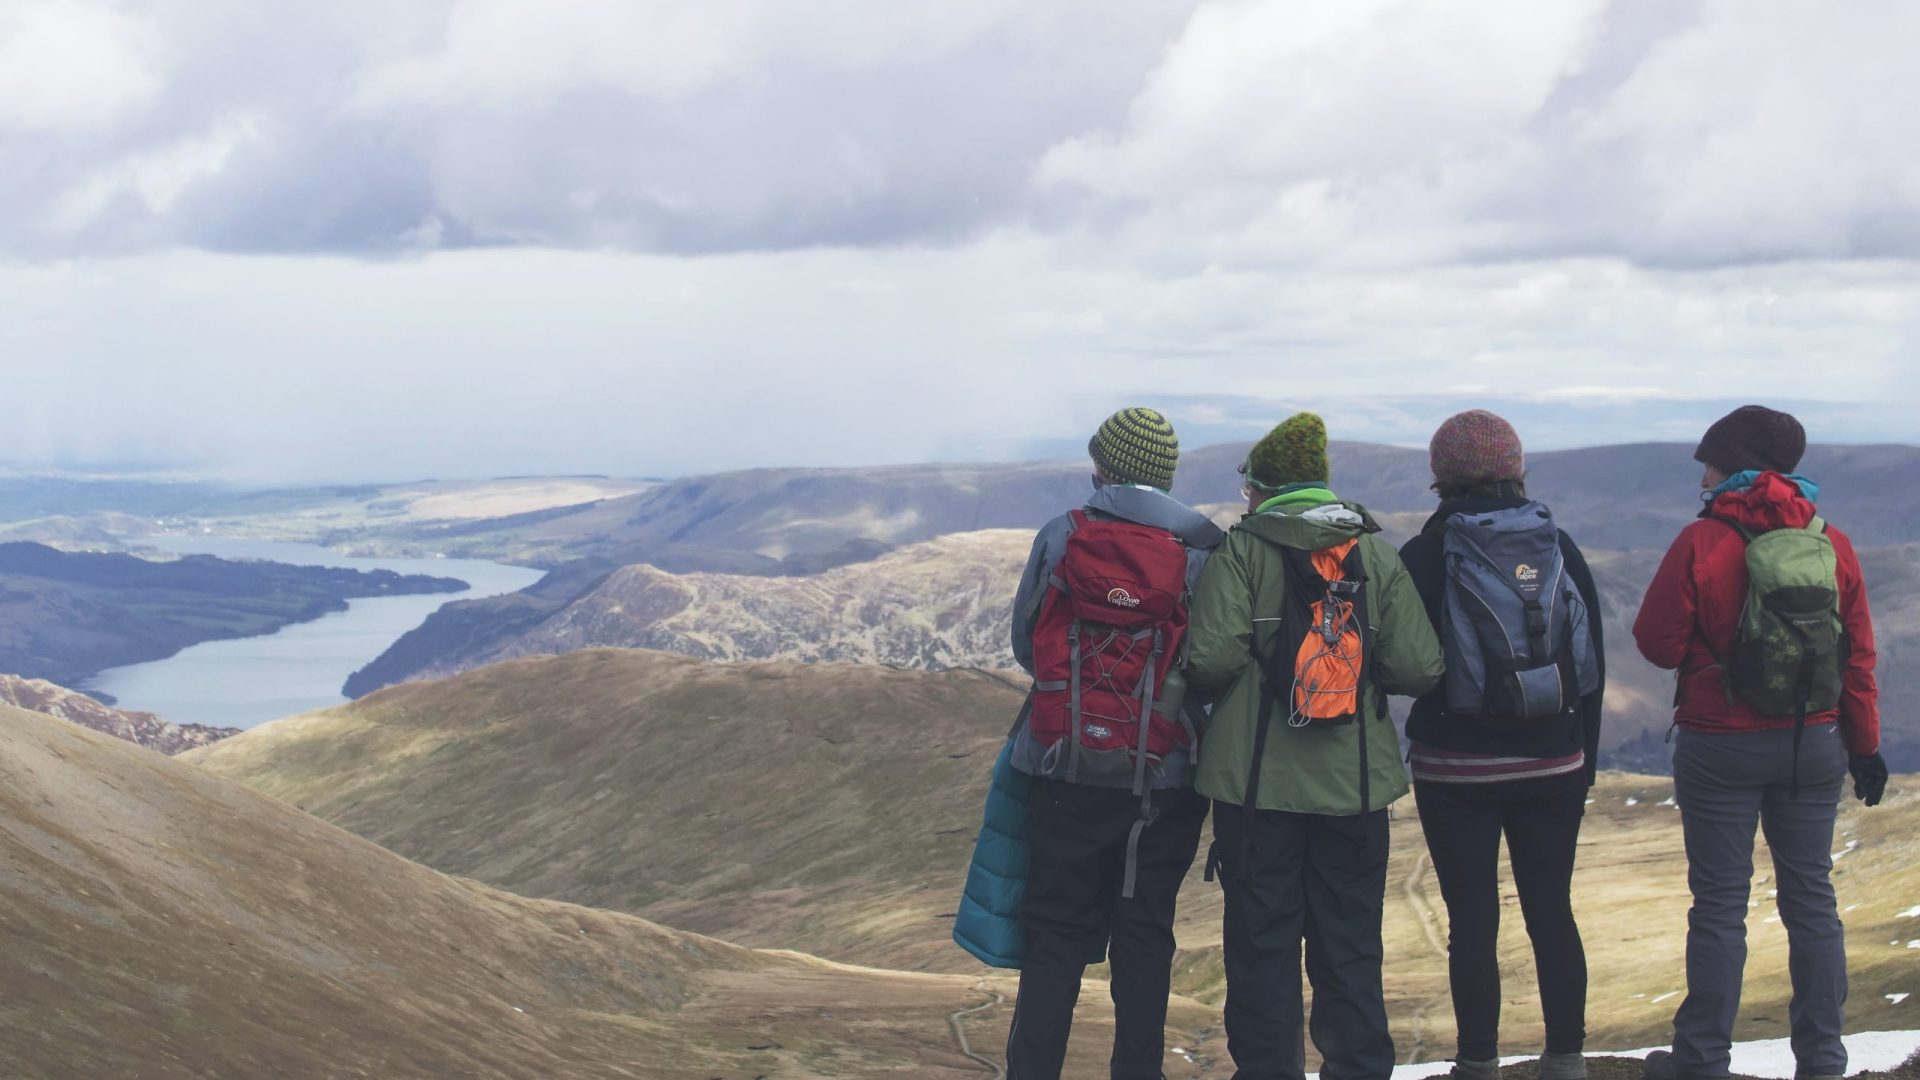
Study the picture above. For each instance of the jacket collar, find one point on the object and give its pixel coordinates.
(1470, 504)
(1150, 506)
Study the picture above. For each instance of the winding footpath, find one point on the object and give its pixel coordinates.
(958, 1022)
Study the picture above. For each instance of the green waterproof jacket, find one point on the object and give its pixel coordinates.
(1236, 612)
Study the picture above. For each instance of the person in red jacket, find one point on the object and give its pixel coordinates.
(1735, 767)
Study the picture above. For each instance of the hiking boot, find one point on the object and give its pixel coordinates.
(1661, 1065)
(1563, 1067)
(1474, 1070)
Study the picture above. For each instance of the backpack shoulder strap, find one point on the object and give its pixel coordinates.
(1746, 534)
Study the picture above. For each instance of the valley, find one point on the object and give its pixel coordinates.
(65, 616)
(830, 808)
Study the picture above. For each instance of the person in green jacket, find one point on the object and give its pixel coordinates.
(1300, 796)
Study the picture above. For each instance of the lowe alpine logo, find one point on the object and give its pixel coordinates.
(1122, 598)
(1523, 572)
(1095, 731)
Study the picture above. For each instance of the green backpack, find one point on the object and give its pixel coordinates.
(1787, 650)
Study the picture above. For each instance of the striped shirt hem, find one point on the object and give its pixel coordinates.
(1448, 767)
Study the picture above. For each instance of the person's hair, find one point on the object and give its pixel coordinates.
(1485, 489)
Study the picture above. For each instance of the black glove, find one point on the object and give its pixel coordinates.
(1869, 777)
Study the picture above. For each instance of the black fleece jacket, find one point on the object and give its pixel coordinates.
(1430, 724)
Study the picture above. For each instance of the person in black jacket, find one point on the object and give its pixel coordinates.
(1474, 782)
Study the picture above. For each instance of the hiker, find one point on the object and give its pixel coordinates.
(1761, 607)
(1303, 622)
(1509, 743)
(1103, 756)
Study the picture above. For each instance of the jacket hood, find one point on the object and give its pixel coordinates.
(1311, 527)
(1151, 506)
(1770, 501)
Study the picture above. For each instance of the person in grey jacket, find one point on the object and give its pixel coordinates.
(1088, 837)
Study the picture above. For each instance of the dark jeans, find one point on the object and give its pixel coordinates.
(1073, 899)
(1541, 821)
(1321, 880)
(1726, 784)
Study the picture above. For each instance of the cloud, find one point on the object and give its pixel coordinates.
(497, 361)
(155, 179)
(1396, 133)
(1238, 132)
(72, 67)
(641, 125)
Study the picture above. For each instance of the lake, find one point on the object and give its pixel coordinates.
(247, 681)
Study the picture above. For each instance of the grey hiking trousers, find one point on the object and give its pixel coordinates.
(1725, 784)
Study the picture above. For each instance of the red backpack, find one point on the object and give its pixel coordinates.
(1108, 632)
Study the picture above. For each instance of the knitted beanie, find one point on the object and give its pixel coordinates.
(1295, 452)
(1476, 447)
(1753, 437)
(1136, 446)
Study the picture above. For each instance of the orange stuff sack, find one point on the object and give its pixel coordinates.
(1326, 677)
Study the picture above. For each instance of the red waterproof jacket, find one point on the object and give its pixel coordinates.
(1692, 609)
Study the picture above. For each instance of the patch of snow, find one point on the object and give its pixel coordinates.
(1910, 913)
(1848, 908)
(1851, 844)
(1896, 998)
(1665, 996)
(1632, 801)
(1868, 1051)
(1668, 801)
(1913, 944)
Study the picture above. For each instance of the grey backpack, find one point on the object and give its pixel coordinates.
(1518, 644)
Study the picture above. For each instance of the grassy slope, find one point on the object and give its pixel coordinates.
(161, 922)
(831, 809)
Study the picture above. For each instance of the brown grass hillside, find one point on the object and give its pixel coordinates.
(160, 922)
(831, 808)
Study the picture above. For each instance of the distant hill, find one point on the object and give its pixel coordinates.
(66, 616)
(944, 603)
(140, 728)
(831, 808)
(947, 602)
(164, 923)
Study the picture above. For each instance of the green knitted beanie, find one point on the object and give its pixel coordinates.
(1136, 446)
(1293, 453)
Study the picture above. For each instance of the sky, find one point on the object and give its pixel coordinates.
(360, 240)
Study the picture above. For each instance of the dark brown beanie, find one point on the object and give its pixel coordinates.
(1753, 437)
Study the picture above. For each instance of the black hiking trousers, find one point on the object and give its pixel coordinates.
(1321, 880)
(1073, 901)
(1540, 818)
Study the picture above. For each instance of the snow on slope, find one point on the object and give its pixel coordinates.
(1868, 1051)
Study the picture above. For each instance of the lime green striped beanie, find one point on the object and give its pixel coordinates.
(1136, 446)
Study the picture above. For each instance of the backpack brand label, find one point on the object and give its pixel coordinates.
(1525, 573)
(1122, 598)
(1097, 731)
